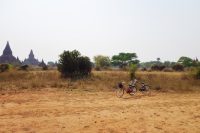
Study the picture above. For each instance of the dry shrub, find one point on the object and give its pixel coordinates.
(195, 73)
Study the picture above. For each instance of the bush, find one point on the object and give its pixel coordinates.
(178, 67)
(157, 67)
(71, 64)
(85, 66)
(4, 67)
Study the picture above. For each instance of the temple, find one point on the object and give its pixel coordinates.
(31, 60)
(7, 56)
(42, 64)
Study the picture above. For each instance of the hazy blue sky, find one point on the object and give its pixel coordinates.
(152, 28)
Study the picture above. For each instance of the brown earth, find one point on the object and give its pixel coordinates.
(99, 112)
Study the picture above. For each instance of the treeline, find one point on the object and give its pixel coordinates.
(184, 63)
(123, 61)
(73, 64)
(129, 61)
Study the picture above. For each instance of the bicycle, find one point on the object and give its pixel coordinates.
(131, 89)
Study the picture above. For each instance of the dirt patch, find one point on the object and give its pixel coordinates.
(61, 111)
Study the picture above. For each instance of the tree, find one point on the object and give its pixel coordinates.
(132, 70)
(158, 59)
(185, 61)
(72, 64)
(102, 61)
(124, 59)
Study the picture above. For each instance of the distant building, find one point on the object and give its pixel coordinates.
(31, 60)
(7, 56)
(42, 64)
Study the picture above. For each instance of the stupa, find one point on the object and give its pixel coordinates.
(31, 60)
(7, 56)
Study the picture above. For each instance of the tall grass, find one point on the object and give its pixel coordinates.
(170, 81)
(98, 81)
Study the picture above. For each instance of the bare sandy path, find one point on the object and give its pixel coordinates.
(101, 112)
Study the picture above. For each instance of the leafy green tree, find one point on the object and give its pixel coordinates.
(72, 64)
(124, 59)
(185, 61)
(102, 61)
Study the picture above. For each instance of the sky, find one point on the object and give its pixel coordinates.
(167, 29)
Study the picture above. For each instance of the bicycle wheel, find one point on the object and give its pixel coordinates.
(119, 92)
(134, 90)
(147, 90)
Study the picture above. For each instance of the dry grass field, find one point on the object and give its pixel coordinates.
(40, 101)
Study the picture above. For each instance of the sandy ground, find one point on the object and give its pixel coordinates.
(99, 112)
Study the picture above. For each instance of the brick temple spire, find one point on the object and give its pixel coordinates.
(7, 50)
(31, 60)
(7, 56)
(31, 55)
